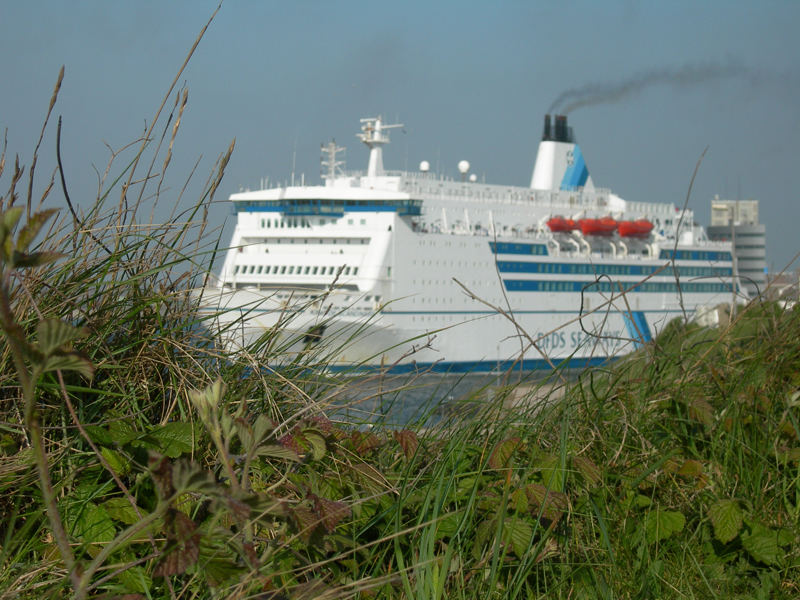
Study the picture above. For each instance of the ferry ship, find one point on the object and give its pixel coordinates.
(415, 270)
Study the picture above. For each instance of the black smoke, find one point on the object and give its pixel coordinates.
(611, 92)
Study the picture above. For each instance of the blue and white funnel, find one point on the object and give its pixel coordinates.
(559, 162)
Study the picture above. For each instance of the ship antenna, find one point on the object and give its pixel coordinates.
(374, 137)
(331, 165)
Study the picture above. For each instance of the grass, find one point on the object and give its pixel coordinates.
(138, 460)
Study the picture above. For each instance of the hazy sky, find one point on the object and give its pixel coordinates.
(470, 80)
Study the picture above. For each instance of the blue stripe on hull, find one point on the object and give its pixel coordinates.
(478, 366)
(638, 329)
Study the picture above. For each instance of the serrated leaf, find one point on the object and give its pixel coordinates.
(53, 334)
(277, 451)
(701, 411)
(31, 229)
(207, 400)
(448, 525)
(174, 438)
(553, 474)
(316, 442)
(120, 509)
(121, 431)
(330, 512)
(70, 361)
(519, 533)
(118, 463)
(136, 579)
(691, 469)
(661, 524)
(364, 442)
(11, 217)
(519, 500)
(546, 502)
(726, 518)
(408, 442)
(588, 470)
(762, 544)
(190, 477)
(23, 260)
(183, 544)
(92, 523)
(502, 452)
(99, 435)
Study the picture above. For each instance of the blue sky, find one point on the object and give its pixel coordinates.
(469, 80)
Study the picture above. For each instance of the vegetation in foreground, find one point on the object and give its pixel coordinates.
(139, 461)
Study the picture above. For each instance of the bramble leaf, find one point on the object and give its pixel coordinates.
(23, 260)
(278, 451)
(121, 510)
(54, 333)
(174, 438)
(762, 544)
(31, 229)
(553, 474)
(661, 524)
(590, 471)
(408, 442)
(726, 518)
(317, 443)
(70, 361)
(501, 454)
(519, 533)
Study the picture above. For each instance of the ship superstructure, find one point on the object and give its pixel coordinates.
(409, 269)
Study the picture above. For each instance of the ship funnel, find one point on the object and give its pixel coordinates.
(559, 161)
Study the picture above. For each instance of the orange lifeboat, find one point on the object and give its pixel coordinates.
(603, 226)
(639, 228)
(560, 224)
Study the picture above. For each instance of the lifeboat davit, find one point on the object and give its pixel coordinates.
(640, 228)
(561, 225)
(602, 226)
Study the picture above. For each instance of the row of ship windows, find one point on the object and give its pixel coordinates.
(507, 266)
(308, 241)
(290, 270)
(517, 285)
(291, 223)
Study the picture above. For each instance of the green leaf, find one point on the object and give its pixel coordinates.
(54, 333)
(701, 411)
(545, 502)
(408, 442)
(121, 510)
(22, 260)
(174, 438)
(661, 524)
(588, 470)
(31, 229)
(762, 544)
(501, 454)
(726, 517)
(553, 475)
(317, 443)
(11, 217)
(121, 431)
(188, 476)
(118, 463)
(70, 361)
(278, 451)
(93, 524)
(99, 435)
(136, 579)
(207, 401)
(520, 534)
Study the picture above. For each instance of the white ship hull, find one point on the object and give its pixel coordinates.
(408, 271)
